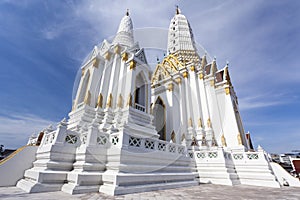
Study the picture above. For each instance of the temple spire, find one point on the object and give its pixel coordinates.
(180, 34)
(125, 31)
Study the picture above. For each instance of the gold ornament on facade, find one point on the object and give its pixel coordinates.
(82, 72)
(223, 141)
(87, 98)
(239, 138)
(100, 101)
(201, 75)
(107, 55)
(109, 101)
(117, 49)
(212, 82)
(170, 86)
(132, 64)
(95, 62)
(185, 74)
(125, 56)
(192, 68)
(208, 123)
(129, 101)
(199, 123)
(120, 101)
(178, 80)
(227, 90)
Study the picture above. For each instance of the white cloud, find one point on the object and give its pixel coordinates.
(262, 101)
(15, 129)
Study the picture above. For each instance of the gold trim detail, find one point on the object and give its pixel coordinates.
(212, 82)
(107, 55)
(12, 154)
(109, 101)
(100, 101)
(208, 123)
(132, 64)
(129, 101)
(82, 72)
(178, 80)
(87, 98)
(192, 68)
(227, 90)
(117, 49)
(95, 62)
(199, 123)
(170, 86)
(125, 56)
(120, 101)
(185, 74)
(201, 75)
(223, 141)
(239, 138)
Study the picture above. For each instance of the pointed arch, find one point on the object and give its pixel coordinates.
(141, 94)
(83, 87)
(159, 112)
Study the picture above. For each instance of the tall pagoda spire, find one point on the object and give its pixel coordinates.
(180, 36)
(124, 35)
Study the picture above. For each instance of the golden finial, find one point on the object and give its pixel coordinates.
(109, 101)
(208, 123)
(100, 101)
(223, 141)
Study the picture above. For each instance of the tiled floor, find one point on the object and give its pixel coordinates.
(204, 191)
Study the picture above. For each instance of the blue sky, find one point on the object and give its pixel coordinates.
(42, 44)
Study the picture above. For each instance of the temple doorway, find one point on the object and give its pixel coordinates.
(159, 112)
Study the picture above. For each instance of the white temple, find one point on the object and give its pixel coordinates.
(133, 130)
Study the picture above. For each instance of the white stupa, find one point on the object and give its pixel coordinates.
(131, 131)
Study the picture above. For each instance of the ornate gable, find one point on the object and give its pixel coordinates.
(141, 56)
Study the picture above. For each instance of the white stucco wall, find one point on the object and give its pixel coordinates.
(13, 169)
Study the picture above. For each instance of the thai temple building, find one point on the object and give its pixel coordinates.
(132, 129)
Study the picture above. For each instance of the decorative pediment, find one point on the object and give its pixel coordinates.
(169, 66)
(104, 46)
(141, 55)
(159, 74)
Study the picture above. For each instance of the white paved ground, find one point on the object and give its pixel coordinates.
(204, 191)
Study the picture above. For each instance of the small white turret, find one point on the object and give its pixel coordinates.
(125, 32)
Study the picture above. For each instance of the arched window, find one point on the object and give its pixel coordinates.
(83, 88)
(159, 112)
(140, 93)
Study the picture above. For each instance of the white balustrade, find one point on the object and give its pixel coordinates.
(155, 144)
